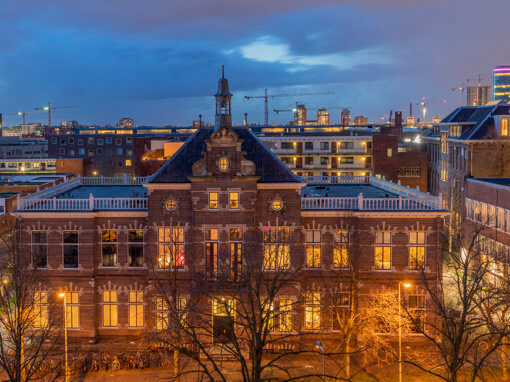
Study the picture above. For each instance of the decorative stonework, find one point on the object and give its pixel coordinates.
(223, 137)
(199, 168)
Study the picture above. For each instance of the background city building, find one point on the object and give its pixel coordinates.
(501, 83)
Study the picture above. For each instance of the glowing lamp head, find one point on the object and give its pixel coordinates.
(61, 295)
(5, 281)
(407, 285)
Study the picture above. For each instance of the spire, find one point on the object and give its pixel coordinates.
(223, 96)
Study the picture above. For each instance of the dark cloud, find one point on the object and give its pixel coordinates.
(138, 59)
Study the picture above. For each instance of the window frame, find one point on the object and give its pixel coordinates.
(276, 239)
(41, 245)
(72, 309)
(114, 244)
(313, 247)
(236, 200)
(111, 307)
(236, 254)
(71, 244)
(211, 200)
(384, 246)
(417, 245)
(136, 309)
(131, 244)
(213, 244)
(341, 248)
(169, 240)
(312, 308)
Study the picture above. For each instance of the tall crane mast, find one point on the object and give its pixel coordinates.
(267, 96)
(23, 116)
(49, 108)
(424, 103)
(461, 88)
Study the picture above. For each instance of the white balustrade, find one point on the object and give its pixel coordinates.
(370, 204)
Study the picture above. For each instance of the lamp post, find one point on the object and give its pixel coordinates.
(406, 285)
(319, 345)
(65, 337)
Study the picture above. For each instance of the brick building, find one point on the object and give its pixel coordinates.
(487, 212)
(473, 141)
(212, 204)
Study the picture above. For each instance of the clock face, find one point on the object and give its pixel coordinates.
(223, 164)
(171, 204)
(277, 204)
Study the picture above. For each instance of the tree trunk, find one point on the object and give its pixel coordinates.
(504, 342)
(176, 365)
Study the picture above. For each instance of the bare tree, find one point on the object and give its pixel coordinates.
(31, 332)
(239, 310)
(471, 304)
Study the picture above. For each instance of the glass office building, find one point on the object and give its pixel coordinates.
(501, 88)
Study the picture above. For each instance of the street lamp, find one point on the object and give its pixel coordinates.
(65, 336)
(406, 285)
(319, 345)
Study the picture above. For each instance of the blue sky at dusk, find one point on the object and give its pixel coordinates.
(158, 61)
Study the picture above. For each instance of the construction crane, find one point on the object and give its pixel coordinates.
(23, 115)
(424, 103)
(267, 96)
(479, 79)
(49, 108)
(461, 88)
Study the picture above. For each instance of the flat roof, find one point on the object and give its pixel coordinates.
(499, 181)
(345, 191)
(5, 195)
(121, 191)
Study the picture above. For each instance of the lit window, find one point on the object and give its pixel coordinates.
(109, 247)
(236, 253)
(233, 200)
(72, 310)
(340, 309)
(135, 248)
(390, 153)
(40, 249)
(383, 250)
(40, 309)
(170, 247)
(223, 164)
(416, 250)
(109, 308)
(135, 309)
(504, 127)
(276, 248)
(211, 252)
(162, 314)
(70, 239)
(340, 250)
(277, 204)
(213, 201)
(267, 315)
(285, 315)
(312, 311)
(171, 204)
(128, 162)
(313, 248)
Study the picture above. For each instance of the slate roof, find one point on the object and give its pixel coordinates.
(268, 167)
(478, 121)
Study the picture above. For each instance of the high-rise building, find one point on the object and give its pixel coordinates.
(300, 115)
(477, 95)
(360, 120)
(345, 117)
(323, 118)
(126, 123)
(501, 82)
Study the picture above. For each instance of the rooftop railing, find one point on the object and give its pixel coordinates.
(90, 204)
(371, 204)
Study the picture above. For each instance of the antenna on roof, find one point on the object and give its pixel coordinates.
(222, 71)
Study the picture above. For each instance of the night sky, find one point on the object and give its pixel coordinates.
(158, 61)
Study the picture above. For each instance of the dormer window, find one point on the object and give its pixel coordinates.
(223, 164)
